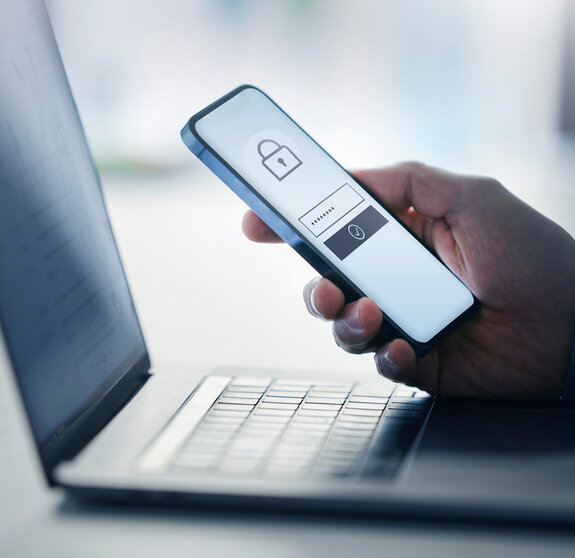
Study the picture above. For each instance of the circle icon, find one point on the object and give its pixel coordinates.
(356, 232)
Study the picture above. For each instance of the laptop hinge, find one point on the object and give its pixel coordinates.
(94, 418)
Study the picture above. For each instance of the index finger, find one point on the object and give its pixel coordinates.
(431, 192)
(255, 229)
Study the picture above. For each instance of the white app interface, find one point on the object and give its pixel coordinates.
(332, 212)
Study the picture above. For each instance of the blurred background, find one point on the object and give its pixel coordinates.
(374, 80)
(476, 86)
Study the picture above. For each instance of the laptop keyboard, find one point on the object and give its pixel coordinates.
(291, 428)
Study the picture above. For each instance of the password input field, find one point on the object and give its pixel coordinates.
(329, 211)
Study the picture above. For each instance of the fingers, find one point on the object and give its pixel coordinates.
(357, 325)
(323, 299)
(431, 192)
(397, 362)
(255, 229)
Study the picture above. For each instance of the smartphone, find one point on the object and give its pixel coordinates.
(328, 216)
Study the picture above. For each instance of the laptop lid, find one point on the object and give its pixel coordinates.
(66, 312)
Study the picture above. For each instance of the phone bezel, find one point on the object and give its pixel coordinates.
(319, 261)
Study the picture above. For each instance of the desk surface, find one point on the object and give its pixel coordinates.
(182, 250)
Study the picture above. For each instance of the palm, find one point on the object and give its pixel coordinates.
(507, 349)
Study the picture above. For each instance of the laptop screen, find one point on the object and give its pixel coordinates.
(65, 308)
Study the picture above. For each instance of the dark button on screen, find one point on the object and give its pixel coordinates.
(356, 232)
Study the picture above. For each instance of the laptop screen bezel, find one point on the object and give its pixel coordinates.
(103, 403)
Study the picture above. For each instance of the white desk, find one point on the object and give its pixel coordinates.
(207, 297)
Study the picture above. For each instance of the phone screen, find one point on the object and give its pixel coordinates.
(334, 213)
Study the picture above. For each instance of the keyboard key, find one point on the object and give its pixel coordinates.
(397, 399)
(244, 392)
(211, 439)
(286, 393)
(261, 425)
(319, 414)
(405, 391)
(368, 399)
(303, 421)
(339, 449)
(328, 394)
(245, 449)
(218, 413)
(264, 438)
(320, 407)
(357, 430)
(293, 458)
(239, 400)
(367, 406)
(219, 406)
(301, 428)
(259, 412)
(301, 434)
(336, 439)
(269, 419)
(374, 391)
(361, 412)
(326, 400)
(334, 385)
(297, 388)
(347, 418)
(279, 406)
(224, 418)
(351, 460)
(295, 452)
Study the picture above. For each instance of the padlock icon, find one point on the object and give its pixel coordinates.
(280, 160)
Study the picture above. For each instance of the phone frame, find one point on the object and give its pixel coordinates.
(219, 166)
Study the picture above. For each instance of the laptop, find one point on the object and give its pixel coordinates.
(107, 427)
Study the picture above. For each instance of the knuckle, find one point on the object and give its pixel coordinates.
(413, 166)
(481, 188)
(487, 183)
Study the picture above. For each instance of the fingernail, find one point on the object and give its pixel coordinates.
(313, 299)
(385, 364)
(353, 319)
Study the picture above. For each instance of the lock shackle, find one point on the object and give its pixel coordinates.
(275, 143)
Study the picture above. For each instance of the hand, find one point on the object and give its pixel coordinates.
(517, 262)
